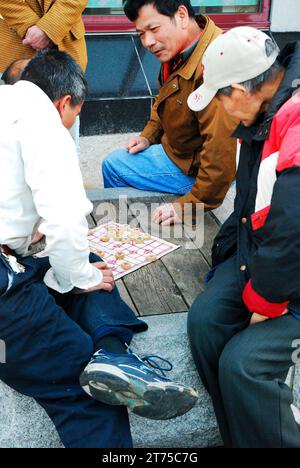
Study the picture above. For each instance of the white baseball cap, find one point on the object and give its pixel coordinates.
(234, 57)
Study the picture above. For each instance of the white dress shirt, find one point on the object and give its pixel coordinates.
(40, 179)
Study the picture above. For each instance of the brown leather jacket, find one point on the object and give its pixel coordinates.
(60, 20)
(197, 142)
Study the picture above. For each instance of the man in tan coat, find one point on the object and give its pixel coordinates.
(27, 26)
(179, 151)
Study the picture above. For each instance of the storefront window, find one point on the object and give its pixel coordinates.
(103, 16)
(104, 7)
(114, 7)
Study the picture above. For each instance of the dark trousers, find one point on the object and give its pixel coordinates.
(244, 367)
(49, 339)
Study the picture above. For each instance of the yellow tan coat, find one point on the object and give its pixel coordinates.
(61, 20)
(199, 143)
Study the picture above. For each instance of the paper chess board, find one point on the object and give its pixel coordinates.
(126, 249)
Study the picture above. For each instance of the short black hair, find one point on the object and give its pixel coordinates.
(164, 7)
(13, 72)
(57, 74)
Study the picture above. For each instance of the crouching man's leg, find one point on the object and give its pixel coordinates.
(45, 353)
(214, 318)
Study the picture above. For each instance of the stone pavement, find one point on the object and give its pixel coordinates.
(93, 149)
(167, 338)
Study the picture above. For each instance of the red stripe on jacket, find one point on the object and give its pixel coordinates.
(284, 138)
(259, 305)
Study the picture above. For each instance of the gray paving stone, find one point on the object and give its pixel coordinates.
(167, 337)
(25, 424)
(93, 150)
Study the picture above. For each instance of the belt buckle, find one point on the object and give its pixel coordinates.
(13, 262)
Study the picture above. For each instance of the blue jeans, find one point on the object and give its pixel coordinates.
(50, 337)
(150, 169)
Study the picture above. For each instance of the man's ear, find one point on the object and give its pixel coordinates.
(182, 16)
(240, 88)
(62, 103)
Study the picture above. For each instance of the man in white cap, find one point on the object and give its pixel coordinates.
(243, 329)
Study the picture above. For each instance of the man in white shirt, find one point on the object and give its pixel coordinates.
(56, 311)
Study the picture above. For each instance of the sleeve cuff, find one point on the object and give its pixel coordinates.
(75, 280)
(153, 135)
(258, 304)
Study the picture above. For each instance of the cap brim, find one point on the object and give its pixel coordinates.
(200, 98)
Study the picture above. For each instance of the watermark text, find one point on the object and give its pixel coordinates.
(2, 352)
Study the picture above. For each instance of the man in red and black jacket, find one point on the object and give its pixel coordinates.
(244, 327)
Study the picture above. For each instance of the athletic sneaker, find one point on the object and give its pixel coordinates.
(125, 379)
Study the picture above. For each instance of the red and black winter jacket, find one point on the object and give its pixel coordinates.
(264, 229)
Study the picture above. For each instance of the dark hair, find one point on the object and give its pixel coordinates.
(57, 74)
(13, 72)
(164, 7)
(256, 83)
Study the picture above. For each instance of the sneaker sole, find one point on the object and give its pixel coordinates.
(161, 400)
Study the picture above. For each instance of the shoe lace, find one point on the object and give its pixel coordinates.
(153, 361)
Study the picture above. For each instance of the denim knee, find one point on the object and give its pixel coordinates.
(110, 168)
(113, 158)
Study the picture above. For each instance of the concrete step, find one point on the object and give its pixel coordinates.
(167, 337)
(25, 424)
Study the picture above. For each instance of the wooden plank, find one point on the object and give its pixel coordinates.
(125, 295)
(172, 283)
(188, 269)
(186, 266)
(161, 294)
(153, 290)
(203, 244)
(109, 210)
(211, 229)
(180, 264)
(143, 285)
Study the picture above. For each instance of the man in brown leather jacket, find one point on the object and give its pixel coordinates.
(179, 151)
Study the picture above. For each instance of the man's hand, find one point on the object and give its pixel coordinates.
(108, 282)
(257, 318)
(136, 144)
(166, 215)
(37, 39)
